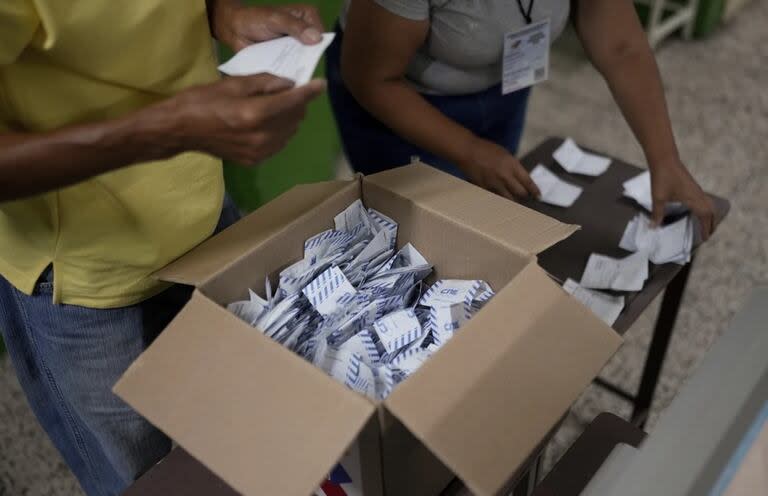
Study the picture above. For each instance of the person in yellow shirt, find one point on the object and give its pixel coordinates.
(112, 116)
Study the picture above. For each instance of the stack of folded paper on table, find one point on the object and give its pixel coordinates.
(664, 244)
(355, 308)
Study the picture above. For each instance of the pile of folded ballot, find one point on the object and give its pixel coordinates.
(358, 308)
(669, 243)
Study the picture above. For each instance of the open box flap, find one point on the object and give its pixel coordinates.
(261, 418)
(213, 255)
(504, 220)
(486, 400)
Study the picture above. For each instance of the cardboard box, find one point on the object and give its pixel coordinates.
(269, 423)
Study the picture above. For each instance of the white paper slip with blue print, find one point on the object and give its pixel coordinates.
(365, 344)
(526, 57)
(398, 329)
(360, 377)
(329, 291)
(284, 57)
(446, 292)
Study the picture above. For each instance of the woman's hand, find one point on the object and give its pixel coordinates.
(238, 25)
(492, 167)
(671, 182)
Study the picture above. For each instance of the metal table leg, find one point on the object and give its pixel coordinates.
(665, 323)
(528, 482)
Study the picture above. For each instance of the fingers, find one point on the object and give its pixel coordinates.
(706, 215)
(250, 149)
(284, 22)
(257, 84)
(657, 214)
(287, 100)
(518, 182)
(510, 186)
(307, 12)
(525, 180)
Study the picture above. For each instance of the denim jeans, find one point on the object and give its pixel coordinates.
(68, 358)
(372, 147)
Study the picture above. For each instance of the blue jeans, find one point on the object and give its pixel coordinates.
(67, 358)
(372, 147)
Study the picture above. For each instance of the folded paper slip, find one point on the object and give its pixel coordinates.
(285, 57)
(577, 161)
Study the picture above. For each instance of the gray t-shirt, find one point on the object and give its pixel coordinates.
(463, 51)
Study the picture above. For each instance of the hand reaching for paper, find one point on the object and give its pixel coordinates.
(492, 167)
(672, 182)
(238, 25)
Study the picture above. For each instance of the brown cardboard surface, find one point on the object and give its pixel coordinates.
(215, 254)
(501, 219)
(409, 467)
(268, 422)
(484, 402)
(259, 417)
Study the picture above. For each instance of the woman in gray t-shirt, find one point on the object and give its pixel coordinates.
(422, 77)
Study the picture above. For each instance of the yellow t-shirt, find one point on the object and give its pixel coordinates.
(64, 62)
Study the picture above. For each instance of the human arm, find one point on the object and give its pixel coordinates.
(246, 119)
(378, 46)
(618, 47)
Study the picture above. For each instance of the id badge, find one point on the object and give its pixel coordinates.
(526, 57)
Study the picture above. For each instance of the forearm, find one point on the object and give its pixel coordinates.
(401, 108)
(636, 86)
(33, 163)
(618, 47)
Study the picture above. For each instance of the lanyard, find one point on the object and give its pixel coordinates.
(526, 14)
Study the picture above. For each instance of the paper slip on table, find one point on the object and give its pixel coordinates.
(603, 213)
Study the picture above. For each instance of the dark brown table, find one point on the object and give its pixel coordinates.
(603, 214)
(583, 459)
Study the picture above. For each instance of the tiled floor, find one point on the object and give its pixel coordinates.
(719, 105)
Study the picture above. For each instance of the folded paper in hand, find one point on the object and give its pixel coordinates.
(284, 57)
(577, 161)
